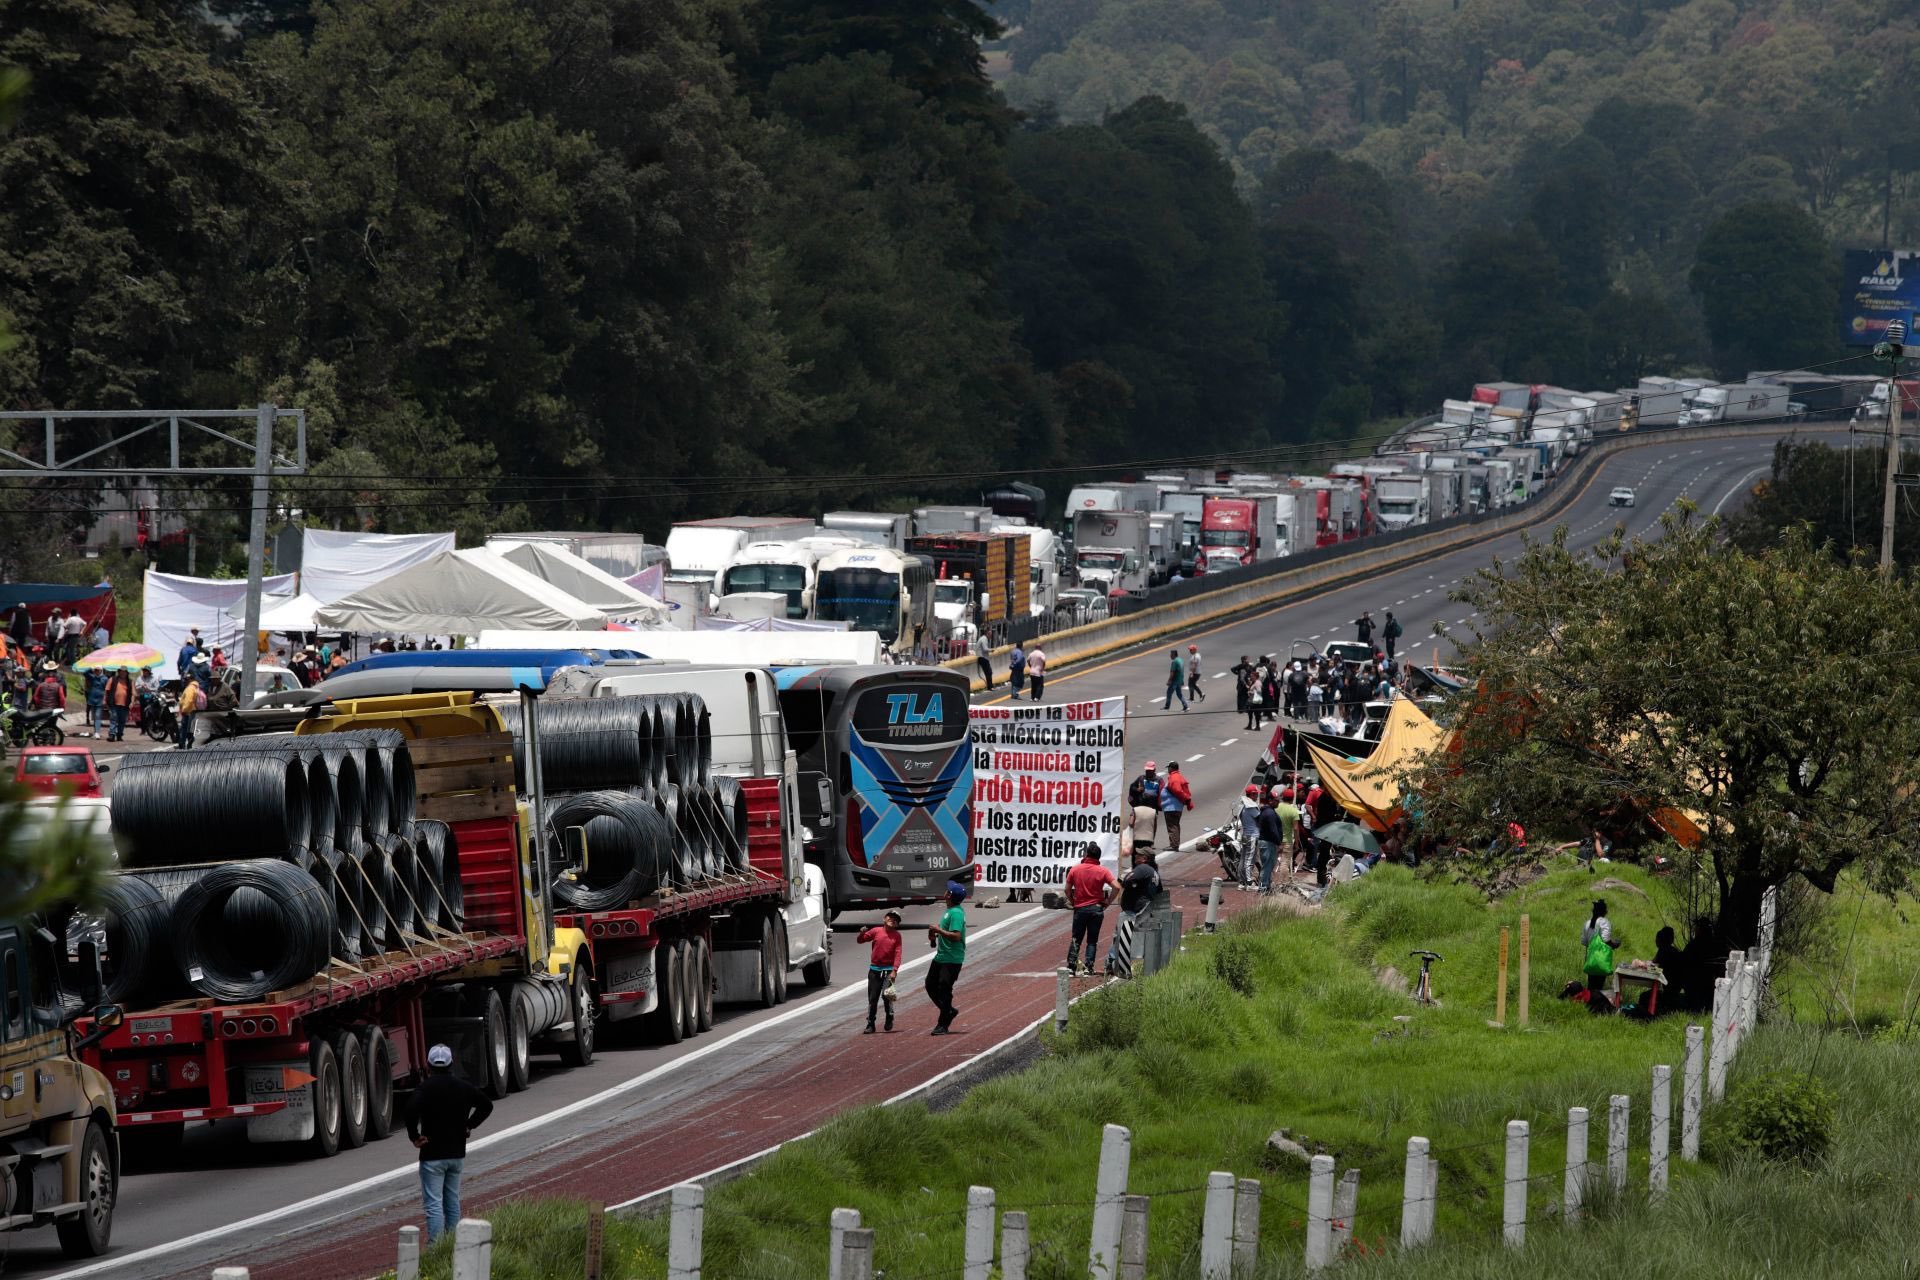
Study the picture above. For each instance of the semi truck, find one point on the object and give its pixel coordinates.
(995, 565)
(1874, 407)
(1112, 495)
(1238, 531)
(697, 550)
(319, 1064)
(1822, 395)
(881, 528)
(1735, 402)
(1112, 550)
(1404, 501)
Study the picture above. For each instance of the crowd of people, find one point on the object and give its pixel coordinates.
(1330, 691)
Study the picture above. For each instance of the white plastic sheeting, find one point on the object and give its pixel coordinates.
(172, 605)
(295, 613)
(742, 648)
(334, 564)
(459, 593)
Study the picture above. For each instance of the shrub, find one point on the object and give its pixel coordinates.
(1783, 1117)
(1232, 962)
(1108, 1019)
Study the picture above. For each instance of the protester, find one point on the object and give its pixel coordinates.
(883, 964)
(1391, 633)
(1137, 894)
(70, 634)
(1598, 943)
(1194, 692)
(1249, 835)
(192, 698)
(1017, 668)
(1144, 795)
(50, 693)
(1271, 835)
(1176, 681)
(20, 625)
(441, 1112)
(1037, 671)
(1363, 627)
(219, 660)
(183, 662)
(56, 632)
(96, 685)
(1176, 797)
(1673, 967)
(1289, 815)
(1090, 887)
(949, 941)
(119, 698)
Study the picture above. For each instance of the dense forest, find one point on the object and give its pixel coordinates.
(615, 262)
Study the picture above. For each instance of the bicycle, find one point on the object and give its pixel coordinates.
(1423, 991)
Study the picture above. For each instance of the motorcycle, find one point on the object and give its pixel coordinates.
(1227, 844)
(160, 717)
(34, 728)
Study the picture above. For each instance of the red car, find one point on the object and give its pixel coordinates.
(51, 771)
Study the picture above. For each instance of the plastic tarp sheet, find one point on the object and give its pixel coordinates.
(585, 582)
(745, 648)
(1370, 789)
(461, 593)
(713, 622)
(334, 564)
(175, 604)
(293, 614)
(95, 604)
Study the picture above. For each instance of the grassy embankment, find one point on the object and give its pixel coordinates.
(1203, 1072)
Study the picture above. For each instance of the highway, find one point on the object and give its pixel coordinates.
(641, 1118)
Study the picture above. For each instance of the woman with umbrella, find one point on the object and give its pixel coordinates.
(117, 694)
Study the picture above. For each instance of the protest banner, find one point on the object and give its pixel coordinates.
(1047, 780)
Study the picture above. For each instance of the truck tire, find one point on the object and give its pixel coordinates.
(688, 958)
(519, 1044)
(768, 965)
(378, 1055)
(820, 972)
(669, 1017)
(495, 1014)
(348, 1053)
(325, 1070)
(578, 1052)
(780, 954)
(703, 984)
(85, 1235)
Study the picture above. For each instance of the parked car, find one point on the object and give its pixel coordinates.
(1081, 605)
(1622, 496)
(50, 771)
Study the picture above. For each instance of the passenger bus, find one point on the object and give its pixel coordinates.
(877, 589)
(886, 779)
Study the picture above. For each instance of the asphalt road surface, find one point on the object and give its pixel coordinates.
(642, 1118)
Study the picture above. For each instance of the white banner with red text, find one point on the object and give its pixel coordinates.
(1048, 779)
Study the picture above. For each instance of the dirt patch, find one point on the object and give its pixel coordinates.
(1611, 885)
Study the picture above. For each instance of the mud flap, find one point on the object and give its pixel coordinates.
(288, 1082)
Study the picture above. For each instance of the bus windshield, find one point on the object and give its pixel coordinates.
(865, 599)
(789, 580)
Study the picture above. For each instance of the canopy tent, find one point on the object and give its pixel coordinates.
(295, 613)
(173, 605)
(1370, 789)
(585, 582)
(460, 593)
(334, 564)
(95, 604)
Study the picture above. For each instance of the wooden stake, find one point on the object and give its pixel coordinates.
(1526, 965)
(1500, 995)
(596, 1238)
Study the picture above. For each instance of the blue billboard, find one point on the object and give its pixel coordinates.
(1881, 285)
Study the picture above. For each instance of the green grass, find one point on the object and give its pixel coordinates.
(1202, 1074)
(1857, 968)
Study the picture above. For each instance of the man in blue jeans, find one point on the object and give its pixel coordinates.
(1271, 834)
(444, 1109)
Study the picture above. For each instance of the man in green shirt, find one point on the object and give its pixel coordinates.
(949, 940)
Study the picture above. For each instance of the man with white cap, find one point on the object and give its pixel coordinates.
(443, 1110)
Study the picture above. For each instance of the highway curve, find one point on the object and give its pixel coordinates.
(642, 1118)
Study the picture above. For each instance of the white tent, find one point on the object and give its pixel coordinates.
(585, 581)
(334, 564)
(714, 622)
(460, 593)
(746, 648)
(291, 614)
(172, 605)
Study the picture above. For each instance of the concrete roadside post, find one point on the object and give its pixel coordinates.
(1014, 1249)
(1736, 1003)
(1133, 1238)
(1513, 1207)
(1432, 1203)
(978, 1262)
(407, 1267)
(686, 1230)
(842, 1221)
(1717, 1056)
(1690, 1095)
(1213, 906)
(856, 1254)
(472, 1250)
(1320, 1213)
(1413, 1194)
(1216, 1228)
(1110, 1185)
(1346, 1201)
(1574, 1193)
(1617, 1121)
(1062, 997)
(1246, 1227)
(1658, 1134)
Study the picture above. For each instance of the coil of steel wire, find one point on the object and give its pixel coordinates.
(333, 870)
(135, 916)
(342, 765)
(708, 837)
(697, 725)
(403, 912)
(322, 805)
(228, 804)
(244, 929)
(386, 778)
(439, 853)
(682, 866)
(588, 744)
(730, 803)
(628, 847)
(376, 891)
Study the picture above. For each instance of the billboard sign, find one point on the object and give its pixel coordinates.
(1881, 285)
(1047, 782)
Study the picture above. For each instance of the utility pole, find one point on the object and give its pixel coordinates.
(256, 546)
(1891, 351)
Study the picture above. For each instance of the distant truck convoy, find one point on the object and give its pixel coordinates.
(1737, 402)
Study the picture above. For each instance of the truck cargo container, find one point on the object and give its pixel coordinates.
(1188, 507)
(928, 521)
(1822, 395)
(1464, 415)
(1659, 401)
(1163, 547)
(880, 528)
(697, 550)
(995, 564)
(1017, 499)
(1112, 551)
(1043, 559)
(1112, 495)
(1238, 531)
(1505, 395)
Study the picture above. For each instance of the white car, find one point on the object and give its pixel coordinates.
(1622, 496)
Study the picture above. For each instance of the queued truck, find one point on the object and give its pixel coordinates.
(1112, 551)
(699, 550)
(1736, 402)
(880, 528)
(1237, 531)
(980, 579)
(319, 1063)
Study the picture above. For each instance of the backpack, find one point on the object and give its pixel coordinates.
(1599, 957)
(1393, 631)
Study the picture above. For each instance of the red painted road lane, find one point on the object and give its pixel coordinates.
(777, 1101)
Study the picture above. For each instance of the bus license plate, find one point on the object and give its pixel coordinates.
(917, 882)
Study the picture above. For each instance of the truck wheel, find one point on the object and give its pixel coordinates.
(687, 956)
(820, 972)
(495, 1014)
(780, 954)
(578, 1052)
(767, 963)
(353, 1088)
(670, 972)
(378, 1055)
(85, 1235)
(325, 1069)
(703, 983)
(519, 1044)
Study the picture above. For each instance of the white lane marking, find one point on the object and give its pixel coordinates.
(1201, 756)
(1219, 675)
(1229, 742)
(1738, 485)
(1418, 643)
(1313, 637)
(532, 1125)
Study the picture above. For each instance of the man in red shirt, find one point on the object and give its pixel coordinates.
(882, 965)
(1090, 887)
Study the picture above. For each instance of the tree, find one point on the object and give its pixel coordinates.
(1767, 277)
(1833, 494)
(1678, 674)
(1579, 228)
(1505, 310)
(1635, 334)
